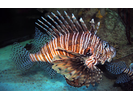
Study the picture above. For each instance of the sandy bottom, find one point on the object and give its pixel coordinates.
(38, 79)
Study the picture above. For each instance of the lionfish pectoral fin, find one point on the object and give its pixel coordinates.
(66, 66)
(68, 51)
(76, 72)
(86, 78)
(64, 70)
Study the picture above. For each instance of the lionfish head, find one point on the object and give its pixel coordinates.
(99, 51)
(108, 52)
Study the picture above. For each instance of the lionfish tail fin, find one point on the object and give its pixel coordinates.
(116, 67)
(20, 57)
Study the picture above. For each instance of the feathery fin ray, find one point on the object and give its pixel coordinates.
(120, 68)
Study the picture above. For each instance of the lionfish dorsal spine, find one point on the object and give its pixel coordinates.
(59, 28)
(77, 23)
(83, 25)
(65, 23)
(97, 27)
(71, 22)
(61, 23)
(93, 27)
(70, 31)
(50, 31)
(54, 29)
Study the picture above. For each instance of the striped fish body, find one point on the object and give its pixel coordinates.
(73, 50)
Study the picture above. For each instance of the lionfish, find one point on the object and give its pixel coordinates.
(124, 73)
(73, 50)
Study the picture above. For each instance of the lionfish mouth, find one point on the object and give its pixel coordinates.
(114, 52)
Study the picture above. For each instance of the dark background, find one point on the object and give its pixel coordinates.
(17, 24)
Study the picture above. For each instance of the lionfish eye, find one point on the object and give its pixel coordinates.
(105, 45)
(88, 53)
